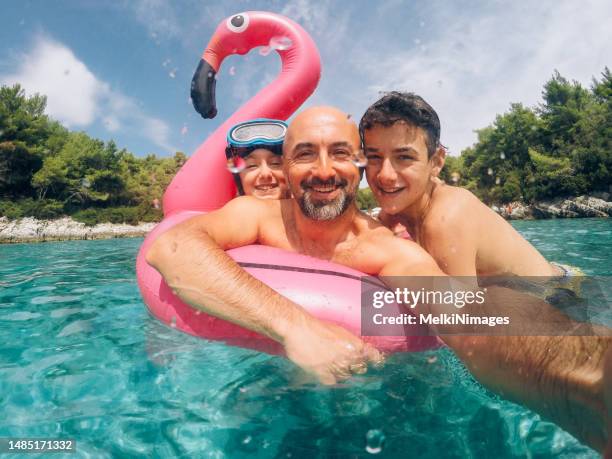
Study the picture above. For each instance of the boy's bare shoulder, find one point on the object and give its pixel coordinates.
(454, 208)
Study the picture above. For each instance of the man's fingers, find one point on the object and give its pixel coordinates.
(358, 368)
(327, 379)
(373, 355)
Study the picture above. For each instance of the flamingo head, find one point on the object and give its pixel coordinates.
(237, 34)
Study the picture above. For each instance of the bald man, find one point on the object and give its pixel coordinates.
(321, 220)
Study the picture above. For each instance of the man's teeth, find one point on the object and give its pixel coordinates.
(324, 189)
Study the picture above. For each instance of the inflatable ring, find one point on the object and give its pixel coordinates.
(328, 291)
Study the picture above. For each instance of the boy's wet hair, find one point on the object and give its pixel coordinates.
(403, 106)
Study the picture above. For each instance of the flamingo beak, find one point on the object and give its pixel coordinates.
(203, 90)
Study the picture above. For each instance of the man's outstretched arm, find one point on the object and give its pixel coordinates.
(567, 379)
(192, 260)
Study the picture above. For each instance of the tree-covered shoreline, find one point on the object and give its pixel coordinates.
(561, 148)
(47, 171)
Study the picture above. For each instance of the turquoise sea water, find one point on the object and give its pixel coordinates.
(80, 357)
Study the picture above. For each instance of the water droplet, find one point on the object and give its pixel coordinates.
(432, 359)
(236, 165)
(422, 23)
(265, 50)
(246, 440)
(173, 322)
(360, 160)
(490, 171)
(232, 70)
(166, 62)
(502, 155)
(281, 43)
(497, 180)
(184, 130)
(210, 74)
(172, 73)
(374, 441)
(417, 41)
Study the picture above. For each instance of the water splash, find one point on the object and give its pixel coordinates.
(374, 441)
(246, 440)
(280, 43)
(172, 73)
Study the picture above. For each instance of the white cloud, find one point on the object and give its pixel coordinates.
(77, 98)
(477, 64)
(53, 70)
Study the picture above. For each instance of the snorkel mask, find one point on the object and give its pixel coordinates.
(244, 138)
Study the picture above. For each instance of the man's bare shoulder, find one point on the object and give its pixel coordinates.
(241, 209)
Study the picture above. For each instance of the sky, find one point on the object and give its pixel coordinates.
(121, 70)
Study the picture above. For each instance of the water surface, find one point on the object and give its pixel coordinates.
(82, 358)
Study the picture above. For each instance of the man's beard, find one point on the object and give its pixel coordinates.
(325, 209)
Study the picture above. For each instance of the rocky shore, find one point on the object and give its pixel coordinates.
(579, 207)
(33, 230)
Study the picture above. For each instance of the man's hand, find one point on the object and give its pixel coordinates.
(328, 351)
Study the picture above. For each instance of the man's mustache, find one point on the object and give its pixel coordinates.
(315, 181)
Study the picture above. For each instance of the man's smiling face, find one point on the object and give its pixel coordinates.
(318, 162)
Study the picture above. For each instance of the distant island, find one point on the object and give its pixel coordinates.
(550, 161)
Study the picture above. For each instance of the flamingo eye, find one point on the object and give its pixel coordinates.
(238, 23)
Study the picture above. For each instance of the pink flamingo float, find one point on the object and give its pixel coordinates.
(328, 291)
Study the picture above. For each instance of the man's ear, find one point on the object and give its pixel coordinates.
(438, 159)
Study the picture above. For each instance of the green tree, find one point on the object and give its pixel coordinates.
(365, 199)
(24, 129)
